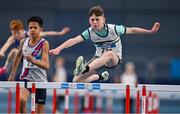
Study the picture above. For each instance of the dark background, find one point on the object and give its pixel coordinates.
(154, 55)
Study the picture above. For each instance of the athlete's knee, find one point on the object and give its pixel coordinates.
(14, 51)
(39, 108)
(23, 104)
(110, 54)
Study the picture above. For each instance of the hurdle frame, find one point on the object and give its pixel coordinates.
(90, 86)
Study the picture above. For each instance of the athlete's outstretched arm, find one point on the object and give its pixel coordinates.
(16, 62)
(44, 62)
(67, 44)
(136, 30)
(55, 33)
(6, 46)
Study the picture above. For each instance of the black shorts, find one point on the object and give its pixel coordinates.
(40, 96)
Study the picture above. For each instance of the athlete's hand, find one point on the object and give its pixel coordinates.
(29, 58)
(64, 30)
(55, 51)
(155, 27)
(11, 78)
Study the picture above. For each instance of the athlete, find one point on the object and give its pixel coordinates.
(34, 51)
(18, 33)
(107, 40)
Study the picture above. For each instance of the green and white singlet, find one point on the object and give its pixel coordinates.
(107, 39)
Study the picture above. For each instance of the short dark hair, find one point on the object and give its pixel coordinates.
(96, 10)
(37, 19)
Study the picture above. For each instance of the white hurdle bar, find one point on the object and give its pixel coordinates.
(91, 86)
(104, 86)
(160, 88)
(10, 84)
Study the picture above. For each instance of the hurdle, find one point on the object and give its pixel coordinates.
(17, 85)
(144, 88)
(165, 91)
(78, 86)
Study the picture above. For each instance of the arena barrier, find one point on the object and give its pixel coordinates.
(147, 93)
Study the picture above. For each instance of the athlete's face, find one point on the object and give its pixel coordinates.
(97, 22)
(34, 29)
(18, 34)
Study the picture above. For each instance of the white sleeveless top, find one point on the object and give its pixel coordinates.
(30, 71)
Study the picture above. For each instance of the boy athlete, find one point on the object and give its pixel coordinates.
(34, 51)
(106, 38)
